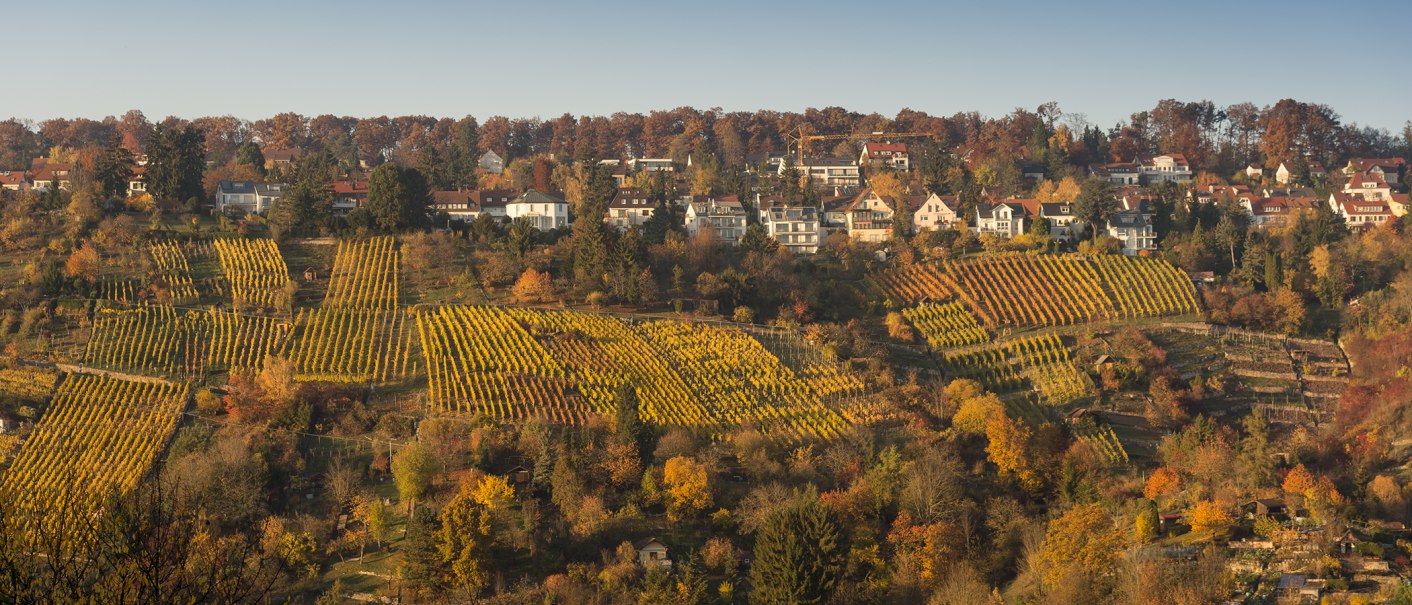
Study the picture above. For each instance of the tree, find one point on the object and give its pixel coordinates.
(975, 413)
(249, 154)
(629, 427)
(112, 169)
(463, 541)
(688, 487)
(758, 240)
(533, 286)
(1147, 522)
(1082, 539)
(397, 198)
(412, 471)
(1207, 516)
(1009, 448)
(1095, 203)
(176, 161)
(83, 263)
(1162, 482)
(798, 555)
(1298, 481)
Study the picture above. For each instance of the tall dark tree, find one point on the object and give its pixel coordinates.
(464, 153)
(629, 427)
(249, 154)
(176, 160)
(798, 555)
(112, 169)
(397, 198)
(1095, 203)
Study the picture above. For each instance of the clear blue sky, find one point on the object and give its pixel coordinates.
(1106, 59)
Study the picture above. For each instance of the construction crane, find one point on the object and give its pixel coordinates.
(799, 139)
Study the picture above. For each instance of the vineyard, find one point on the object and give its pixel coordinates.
(1045, 362)
(1104, 441)
(563, 365)
(358, 334)
(946, 325)
(173, 274)
(1046, 290)
(98, 436)
(22, 382)
(161, 340)
(255, 270)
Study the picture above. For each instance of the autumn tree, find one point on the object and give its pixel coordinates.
(464, 541)
(1209, 517)
(688, 487)
(1162, 482)
(533, 286)
(412, 470)
(83, 263)
(1298, 480)
(1082, 539)
(1010, 449)
(1147, 523)
(798, 555)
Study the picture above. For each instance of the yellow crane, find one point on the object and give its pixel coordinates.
(799, 139)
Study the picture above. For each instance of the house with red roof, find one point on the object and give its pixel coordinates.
(14, 180)
(348, 194)
(1371, 185)
(1277, 212)
(890, 155)
(1390, 169)
(44, 173)
(1357, 212)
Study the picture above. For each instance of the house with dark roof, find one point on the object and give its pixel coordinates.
(723, 217)
(282, 156)
(1001, 219)
(651, 552)
(247, 196)
(543, 210)
(1062, 223)
(889, 155)
(934, 212)
(1133, 228)
(630, 207)
(1118, 173)
(491, 162)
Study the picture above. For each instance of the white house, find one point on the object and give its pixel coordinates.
(726, 218)
(1165, 168)
(869, 218)
(1357, 212)
(651, 165)
(890, 155)
(829, 172)
(1372, 186)
(1389, 168)
(796, 228)
(44, 173)
(1276, 212)
(1003, 219)
(1118, 173)
(1061, 220)
(630, 207)
(247, 196)
(491, 162)
(137, 181)
(651, 552)
(1134, 229)
(542, 210)
(934, 212)
(1285, 172)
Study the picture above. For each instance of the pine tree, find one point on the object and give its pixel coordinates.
(798, 555)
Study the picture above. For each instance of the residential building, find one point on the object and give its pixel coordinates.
(1133, 228)
(726, 218)
(1391, 169)
(1357, 212)
(491, 162)
(247, 196)
(1002, 219)
(494, 202)
(348, 194)
(829, 172)
(1276, 212)
(44, 173)
(934, 212)
(835, 209)
(282, 156)
(15, 180)
(1285, 171)
(630, 207)
(869, 217)
(137, 181)
(1062, 223)
(1118, 173)
(543, 210)
(796, 228)
(651, 165)
(651, 552)
(1165, 168)
(1371, 185)
(458, 204)
(887, 155)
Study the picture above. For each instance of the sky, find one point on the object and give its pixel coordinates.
(1104, 59)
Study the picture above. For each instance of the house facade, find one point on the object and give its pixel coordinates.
(630, 207)
(796, 228)
(348, 194)
(1118, 173)
(247, 196)
(1062, 224)
(1391, 169)
(869, 218)
(886, 155)
(934, 212)
(1133, 228)
(542, 210)
(829, 172)
(1002, 219)
(726, 219)
(491, 162)
(1359, 213)
(1276, 212)
(14, 181)
(1165, 168)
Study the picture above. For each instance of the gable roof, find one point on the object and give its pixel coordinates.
(1353, 204)
(235, 187)
(873, 149)
(1056, 209)
(536, 197)
(284, 155)
(646, 542)
(13, 178)
(492, 198)
(630, 197)
(987, 210)
(349, 187)
(454, 199)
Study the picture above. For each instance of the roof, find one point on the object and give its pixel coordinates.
(884, 148)
(492, 198)
(12, 178)
(1056, 209)
(454, 199)
(1113, 168)
(270, 189)
(1384, 164)
(1030, 204)
(793, 213)
(830, 162)
(1354, 204)
(283, 155)
(1359, 178)
(1281, 204)
(836, 203)
(349, 187)
(536, 197)
(1128, 219)
(868, 194)
(1149, 160)
(235, 187)
(985, 210)
(646, 542)
(630, 197)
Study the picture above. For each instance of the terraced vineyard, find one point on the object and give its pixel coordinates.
(255, 270)
(564, 365)
(1104, 440)
(99, 436)
(173, 274)
(946, 325)
(27, 383)
(1045, 363)
(161, 340)
(1046, 290)
(358, 334)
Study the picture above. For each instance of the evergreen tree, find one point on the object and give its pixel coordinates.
(397, 198)
(1095, 203)
(112, 169)
(798, 555)
(629, 426)
(757, 239)
(176, 160)
(249, 154)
